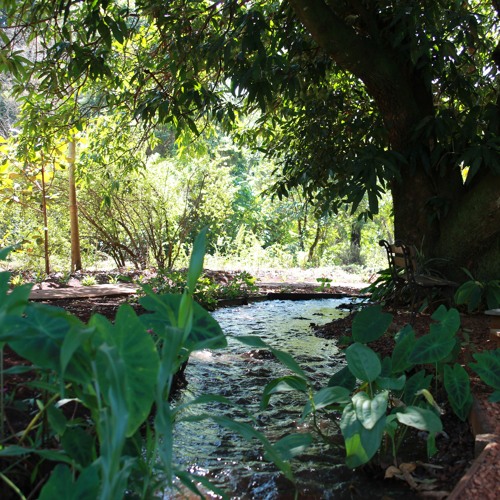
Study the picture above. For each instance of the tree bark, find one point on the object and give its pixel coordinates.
(470, 235)
(435, 212)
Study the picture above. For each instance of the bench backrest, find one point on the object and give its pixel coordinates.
(402, 260)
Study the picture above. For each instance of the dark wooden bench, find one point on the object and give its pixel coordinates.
(406, 277)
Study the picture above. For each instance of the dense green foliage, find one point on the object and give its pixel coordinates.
(142, 204)
(379, 398)
(122, 374)
(303, 72)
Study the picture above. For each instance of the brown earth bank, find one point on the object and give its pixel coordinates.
(456, 445)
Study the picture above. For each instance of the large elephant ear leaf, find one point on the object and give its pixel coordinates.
(370, 324)
(205, 332)
(138, 353)
(361, 444)
(363, 362)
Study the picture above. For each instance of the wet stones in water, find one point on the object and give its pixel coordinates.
(258, 354)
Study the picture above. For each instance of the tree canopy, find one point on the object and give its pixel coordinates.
(351, 97)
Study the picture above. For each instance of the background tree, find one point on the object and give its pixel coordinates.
(411, 89)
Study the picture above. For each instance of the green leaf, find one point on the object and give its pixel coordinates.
(79, 445)
(405, 343)
(56, 419)
(386, 367)
(361, 444)
(196, 261)
(4, 252)
(369, 411)
(326, 397)
(39, 335)
(363, 363)
(431, 348)
(283, 384)
(15, 302)
(487, 366)
(414, 384)
(431, 445)
(205, 332)
(61, 484)
(448, 318)
(370, 324)
(71, 343)
(391, 383)
(457, 385)
(141, 361)
(420, 418)
(343, 378)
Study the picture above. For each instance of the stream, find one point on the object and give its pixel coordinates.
(240, 373)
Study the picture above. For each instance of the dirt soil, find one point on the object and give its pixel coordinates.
(456, 445)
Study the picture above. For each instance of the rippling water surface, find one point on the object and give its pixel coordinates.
(240, 373)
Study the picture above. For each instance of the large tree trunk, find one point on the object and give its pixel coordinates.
(435, 212)
(470, 234)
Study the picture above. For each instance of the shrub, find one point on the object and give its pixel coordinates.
(379, 399)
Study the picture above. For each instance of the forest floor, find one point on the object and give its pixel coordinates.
(456, 447)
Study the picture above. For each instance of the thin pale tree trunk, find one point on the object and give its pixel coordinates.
(76, 260)
(45, 223)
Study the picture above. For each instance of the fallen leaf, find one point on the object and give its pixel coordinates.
(407, 467)
(391, 471)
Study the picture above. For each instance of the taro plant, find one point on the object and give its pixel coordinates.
(478, 295)
(376, 400)
(487, 366)
(120, 376)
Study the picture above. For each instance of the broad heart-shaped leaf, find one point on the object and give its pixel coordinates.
(492, 294)
(431, 348)
(487, 366)
(391, 383)
(139, 355)
(205, 332)
(363, 363)
(14, 302)
(62, 485)
(370, 324)
(420, 418)
(449, 319)
(369, 411)
(457, 385)
(414, 384)
(326, 397)
(79, 445)
(360, 444)
(405, 343)
(343, 378)
(39, 335)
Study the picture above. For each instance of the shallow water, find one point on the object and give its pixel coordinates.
(240, 373)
